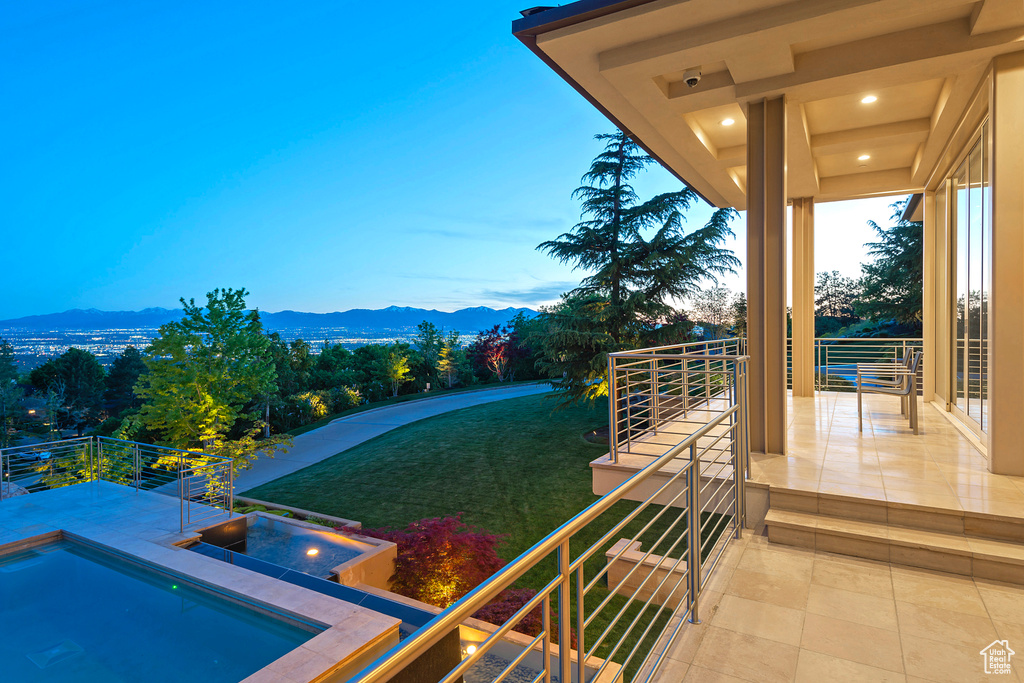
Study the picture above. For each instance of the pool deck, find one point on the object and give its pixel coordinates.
(144, 526)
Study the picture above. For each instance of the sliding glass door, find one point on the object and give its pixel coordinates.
(971, 232)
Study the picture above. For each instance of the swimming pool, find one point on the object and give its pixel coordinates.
(74, 613)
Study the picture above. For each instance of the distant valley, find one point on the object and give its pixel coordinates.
(106, 333)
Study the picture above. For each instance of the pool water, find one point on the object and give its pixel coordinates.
(289, 545)
(72, 613)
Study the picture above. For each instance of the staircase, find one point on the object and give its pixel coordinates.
(975, 544)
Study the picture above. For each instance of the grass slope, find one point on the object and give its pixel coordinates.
(514, 467)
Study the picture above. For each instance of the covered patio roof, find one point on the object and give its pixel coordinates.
(890, 80)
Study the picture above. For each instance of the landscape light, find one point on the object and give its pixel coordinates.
(869, 99)
(312, 551)
(728, 122)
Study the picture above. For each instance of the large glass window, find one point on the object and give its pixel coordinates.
(970, 199)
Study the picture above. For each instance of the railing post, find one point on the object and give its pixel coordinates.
(613, 410)
(99, 462)
(581, 648)
(564, 618)
(4, 469)
(181, 496)
(655, 396)
(693, 524)
(136, 466)
(545, 624)
(739, 504)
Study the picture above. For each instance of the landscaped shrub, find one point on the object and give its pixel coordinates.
(439, 559)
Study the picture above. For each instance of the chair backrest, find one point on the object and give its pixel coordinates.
(910, 380)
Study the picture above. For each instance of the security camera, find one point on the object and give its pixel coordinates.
(691, 77)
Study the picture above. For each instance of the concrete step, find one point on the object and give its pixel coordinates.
(957, 553)
(978, 524)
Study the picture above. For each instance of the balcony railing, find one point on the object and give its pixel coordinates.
(836, 358)
(203, 483)
(663, 393)
(618, 582)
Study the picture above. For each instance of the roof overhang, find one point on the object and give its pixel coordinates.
(922, 61)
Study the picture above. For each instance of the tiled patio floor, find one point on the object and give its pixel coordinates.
(776, 613)
(937, 468)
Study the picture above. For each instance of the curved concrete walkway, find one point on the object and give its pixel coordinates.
(346, 432)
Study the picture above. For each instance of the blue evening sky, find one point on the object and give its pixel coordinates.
(324, 155)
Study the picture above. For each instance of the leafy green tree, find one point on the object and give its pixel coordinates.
(11, 393)
(834, 295)
(892, 284)
(120, 382)
(451, 359)
(429, 342)
(81, 378)
(739, 314)
(333, 367)
(634, 278)
(8, 368)
(712, 308)
(208, 374)
(394, 367)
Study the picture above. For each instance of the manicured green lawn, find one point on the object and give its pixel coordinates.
(516, 467)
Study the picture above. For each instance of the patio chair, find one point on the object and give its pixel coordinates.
(903, 384)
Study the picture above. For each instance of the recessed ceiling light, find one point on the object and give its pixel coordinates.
(869, 99)
(863, 157)
(728, 122)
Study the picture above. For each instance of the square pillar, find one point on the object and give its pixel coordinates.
(1006, 304)
(803, 297)
(766, 273)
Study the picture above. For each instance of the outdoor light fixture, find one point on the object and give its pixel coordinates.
(728, 122)
(869, 99)
(863, 157)
(312, 551)
(468, 650)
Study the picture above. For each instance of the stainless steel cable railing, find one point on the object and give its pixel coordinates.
(202, 482)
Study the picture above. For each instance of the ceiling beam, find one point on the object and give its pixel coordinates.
(954, 99)
(868, 184)
(996, 15)
(668, 47)
(915, 54)
(802, 170)
(851, 140)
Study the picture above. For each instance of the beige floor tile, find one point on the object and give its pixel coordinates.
(789, 562)
(746, 657)
(698, 674)
(814, 667)
(943, 662)
(672, 670)
(852, 574)
(781, 624)
(859, 608)
(935, 589)
(868, 645)
(1003, 603)
(943, 625)
(776, 589)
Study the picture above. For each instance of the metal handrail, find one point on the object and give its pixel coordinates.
(733, 419)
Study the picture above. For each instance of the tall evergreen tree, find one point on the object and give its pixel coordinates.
(122, 378)
(626, 301)
(892, 284)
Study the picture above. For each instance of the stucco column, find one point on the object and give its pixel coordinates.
(803, 297)
(929, 319)
(1006, 305)
(766, 273)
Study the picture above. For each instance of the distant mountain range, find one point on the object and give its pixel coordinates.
(357, 319)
